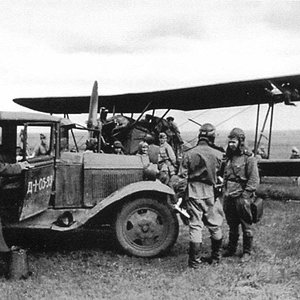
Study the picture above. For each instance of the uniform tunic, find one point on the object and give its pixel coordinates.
(166, 159)
(241, 179)
(153, 152)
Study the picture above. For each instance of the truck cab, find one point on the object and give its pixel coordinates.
(67, 188)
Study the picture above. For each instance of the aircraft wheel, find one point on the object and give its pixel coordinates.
(146, 227)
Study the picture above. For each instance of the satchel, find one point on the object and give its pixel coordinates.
(244, 209)
(257, 209)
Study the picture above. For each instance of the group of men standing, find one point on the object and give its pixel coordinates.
(197, 182)
(200, 169)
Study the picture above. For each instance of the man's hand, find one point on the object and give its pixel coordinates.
(24, 165)
(247, 194)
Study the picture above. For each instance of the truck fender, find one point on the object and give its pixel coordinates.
(141, 186)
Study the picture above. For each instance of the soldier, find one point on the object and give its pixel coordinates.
(174, 134)
(241, 179)
(41, 148)
(295, 153)
(199, 166)
(166, 159)
(150, 169)
(143, 153)
(261, 153)
(9, 170)
(22, 145)
(153, 150)
(91, 145)
(118, 148)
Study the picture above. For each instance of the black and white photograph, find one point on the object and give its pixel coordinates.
(149, 150)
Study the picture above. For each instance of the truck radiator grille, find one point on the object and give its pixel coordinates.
(108, 181)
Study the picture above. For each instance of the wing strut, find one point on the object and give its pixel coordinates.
(270, 131)
(161, 118)
(261, 134)
(144, 110)
(256, 130)
(73, 135)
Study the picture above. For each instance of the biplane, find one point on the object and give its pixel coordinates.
(270, 91)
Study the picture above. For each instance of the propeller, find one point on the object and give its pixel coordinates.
(93, 109)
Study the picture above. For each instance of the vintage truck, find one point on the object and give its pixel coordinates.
(66, 190)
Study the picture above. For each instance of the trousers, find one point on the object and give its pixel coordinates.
(205, 213)
(235, 217)
(3, 245)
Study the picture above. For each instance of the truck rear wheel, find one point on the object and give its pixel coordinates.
(146, 227)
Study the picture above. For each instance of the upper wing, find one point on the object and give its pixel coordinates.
(276, 89)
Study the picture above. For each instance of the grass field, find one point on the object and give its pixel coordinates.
(86, 266)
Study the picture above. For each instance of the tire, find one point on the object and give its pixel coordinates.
(146, 227)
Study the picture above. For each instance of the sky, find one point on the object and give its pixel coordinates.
(59, 48)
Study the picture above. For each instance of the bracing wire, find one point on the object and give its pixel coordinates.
(234, 115)
(224, 121)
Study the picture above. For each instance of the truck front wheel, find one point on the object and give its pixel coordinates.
(146, 227)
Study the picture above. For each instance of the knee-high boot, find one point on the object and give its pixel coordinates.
(215, 256)
(247, 248)
(232, 244)
(194, 255)
(5, 258)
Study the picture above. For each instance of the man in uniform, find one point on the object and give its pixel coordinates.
(41, 148)
(9, 170)
(153, 150)
(118, 148)
(295, 153)
(199, 166)
(175, 133)
(166, 159)
(241, 179)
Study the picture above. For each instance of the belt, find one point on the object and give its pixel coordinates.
(234, 180)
